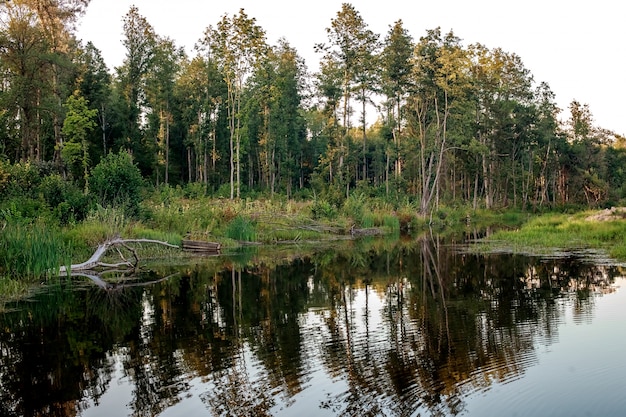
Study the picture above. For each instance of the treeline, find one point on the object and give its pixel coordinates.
(456, 124)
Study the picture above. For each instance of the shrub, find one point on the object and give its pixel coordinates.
(116, 181)
(23, 180)
(322, 209)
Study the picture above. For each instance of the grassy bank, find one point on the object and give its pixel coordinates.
(551, 232)
(32, 249)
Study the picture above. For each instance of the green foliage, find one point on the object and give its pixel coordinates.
(322, 209)
(562, 231)
(31, 251)
(195, 190)
(5, 175)
(391, 223)
(67, 202)
(356, 208)
(79, 121)
(23, 179)
(116, 181)
(241, 229)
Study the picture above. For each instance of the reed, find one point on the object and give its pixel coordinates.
(391, 223)
(31, 251)
(242, 229)
(11, 288)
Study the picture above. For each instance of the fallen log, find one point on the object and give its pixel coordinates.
(201, 246)
(94, 260)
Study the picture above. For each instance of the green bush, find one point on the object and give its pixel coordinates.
(195, 190)
(322, 209)
(23, 180)
(116, 182)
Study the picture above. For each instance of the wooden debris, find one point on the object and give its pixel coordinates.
(94, 261)
(200, 246)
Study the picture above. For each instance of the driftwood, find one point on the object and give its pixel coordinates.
(370, 231)
(100, 282)
(94, 261)
(200, 246)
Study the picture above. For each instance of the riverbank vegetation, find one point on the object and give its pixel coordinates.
(241, 143)
(557, 233)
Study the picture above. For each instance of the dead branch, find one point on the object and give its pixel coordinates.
(100, 282)
(94, 261)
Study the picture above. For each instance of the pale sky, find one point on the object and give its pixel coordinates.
(577, 47)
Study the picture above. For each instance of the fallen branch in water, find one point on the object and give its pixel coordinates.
(100, 282)
(94, 261)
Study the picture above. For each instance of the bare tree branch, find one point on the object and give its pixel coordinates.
(94, 260)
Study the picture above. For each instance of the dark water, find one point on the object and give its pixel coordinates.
(413, 328)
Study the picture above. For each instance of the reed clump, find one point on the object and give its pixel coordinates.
(32, 251)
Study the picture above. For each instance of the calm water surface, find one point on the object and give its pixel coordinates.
(411, 328)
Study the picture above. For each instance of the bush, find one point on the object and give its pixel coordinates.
(116, 182)
(322, 209)
(22, 180)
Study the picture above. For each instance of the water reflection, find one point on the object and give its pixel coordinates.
(362, 329)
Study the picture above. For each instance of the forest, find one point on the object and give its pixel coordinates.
(454, 124)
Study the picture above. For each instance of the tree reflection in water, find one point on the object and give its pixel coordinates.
(364, 329)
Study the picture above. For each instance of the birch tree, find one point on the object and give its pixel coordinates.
(237, 43)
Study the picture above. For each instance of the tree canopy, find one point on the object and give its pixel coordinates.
(440, 122)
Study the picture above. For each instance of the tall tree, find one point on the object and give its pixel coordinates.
(57, 18)
(237, 43)
(94, 83)
(160, 81)
(274, 116)
(502, 88)
(79, 121)
(396, 66)
(440, 87)
(587, 165)
(201, 90)
(140, 42)
(24, 51)
(353, 46)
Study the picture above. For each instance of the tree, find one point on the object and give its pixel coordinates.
(117, 181)
(79, 121)
(237, 44)
(94, 83)
(273, 116)
(23, 51)
(440, 82)
(140, 42)
(587, 164)
(201, 91)
(502, 92)
(160, 81)
(353, 47)
(396, 66)
(328, 86)
(57, 18)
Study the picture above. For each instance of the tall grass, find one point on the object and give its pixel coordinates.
(242, 229)
(564, 231)
(31, 251)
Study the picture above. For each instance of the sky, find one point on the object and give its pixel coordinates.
(577, 47)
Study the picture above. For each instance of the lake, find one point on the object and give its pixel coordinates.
(413, 327)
